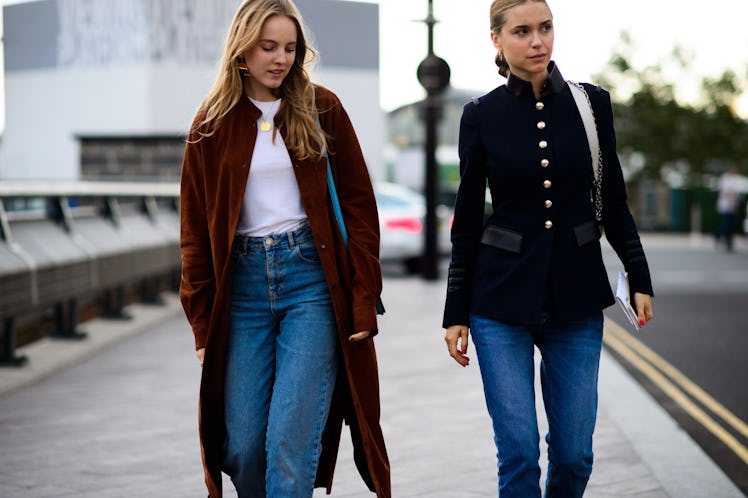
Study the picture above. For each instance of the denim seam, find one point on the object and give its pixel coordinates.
(321, 419)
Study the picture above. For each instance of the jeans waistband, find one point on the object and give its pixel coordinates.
(289, 239)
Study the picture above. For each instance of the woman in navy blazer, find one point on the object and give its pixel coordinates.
(532, 274)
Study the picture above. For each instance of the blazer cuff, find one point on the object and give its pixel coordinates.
(456, 309)
(640, 282)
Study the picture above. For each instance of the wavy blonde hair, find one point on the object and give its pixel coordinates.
(498, 11)
(298, 111)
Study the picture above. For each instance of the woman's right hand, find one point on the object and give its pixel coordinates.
(201, 356)
(458, 335)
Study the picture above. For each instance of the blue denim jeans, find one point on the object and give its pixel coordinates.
(570, 354)
(281, 365)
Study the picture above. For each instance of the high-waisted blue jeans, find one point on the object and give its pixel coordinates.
(281, 365)
(568, 373)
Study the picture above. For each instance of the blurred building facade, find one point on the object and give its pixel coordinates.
(108, 89)
(404, 153)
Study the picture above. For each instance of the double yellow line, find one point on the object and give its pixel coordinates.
(678, 387)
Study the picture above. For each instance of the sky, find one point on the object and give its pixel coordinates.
(586, 31)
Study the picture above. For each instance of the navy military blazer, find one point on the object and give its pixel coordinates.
(538, 253)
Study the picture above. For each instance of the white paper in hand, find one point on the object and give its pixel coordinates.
(623, 296)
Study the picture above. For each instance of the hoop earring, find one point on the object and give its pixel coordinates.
(499, 59)
(242, 67)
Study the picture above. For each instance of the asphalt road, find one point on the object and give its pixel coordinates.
(700, 329)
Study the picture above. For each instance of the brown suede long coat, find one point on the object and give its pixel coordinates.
(214, 176)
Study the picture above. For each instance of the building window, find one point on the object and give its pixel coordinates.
(153, 158)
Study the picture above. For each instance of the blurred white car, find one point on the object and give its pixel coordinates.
(402, 214)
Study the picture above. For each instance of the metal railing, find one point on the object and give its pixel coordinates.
(67, 243)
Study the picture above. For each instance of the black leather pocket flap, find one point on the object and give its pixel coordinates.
(502, 238)
(587, 232)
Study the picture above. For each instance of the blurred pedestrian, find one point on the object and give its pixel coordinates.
(533, 274)
(728, 205)
(283, 312)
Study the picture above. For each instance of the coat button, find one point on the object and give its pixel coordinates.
(545, 163)
(539, 105)
(543, 144)
(548, 203)
(547, 184)
(541, 125)
(322, 246)
(548, 224)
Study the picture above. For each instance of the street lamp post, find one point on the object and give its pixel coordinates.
(433, 74)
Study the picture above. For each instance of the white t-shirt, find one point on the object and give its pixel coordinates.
(729, 189)
(272, 201)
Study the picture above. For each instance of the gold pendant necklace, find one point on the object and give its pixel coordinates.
(265, 124)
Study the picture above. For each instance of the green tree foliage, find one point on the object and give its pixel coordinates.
(693, 139)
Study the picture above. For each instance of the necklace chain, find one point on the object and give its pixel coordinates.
(267, 120)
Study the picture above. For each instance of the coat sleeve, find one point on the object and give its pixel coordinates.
(197, 287)
(467, 225)
(618, 223)
(359, 209)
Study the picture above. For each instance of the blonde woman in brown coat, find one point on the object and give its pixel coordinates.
(283, 313)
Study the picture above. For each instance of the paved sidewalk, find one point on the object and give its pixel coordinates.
(116, 417)
(694, 241)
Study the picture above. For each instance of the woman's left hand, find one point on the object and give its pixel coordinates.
(643, 303)
(359, 336)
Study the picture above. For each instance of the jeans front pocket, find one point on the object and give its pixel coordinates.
(307, 252)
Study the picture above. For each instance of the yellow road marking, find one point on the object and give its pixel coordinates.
(676, 375)
(612, 339)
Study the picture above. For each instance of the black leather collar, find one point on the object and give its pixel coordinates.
(552, 85)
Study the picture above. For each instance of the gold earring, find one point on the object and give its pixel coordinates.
(242, 67)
